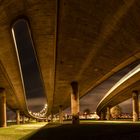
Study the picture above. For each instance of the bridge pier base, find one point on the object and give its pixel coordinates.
(75, 103)
(135, 105)
(2, 108)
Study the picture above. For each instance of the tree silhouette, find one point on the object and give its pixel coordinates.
(86, 112)
(115, 111)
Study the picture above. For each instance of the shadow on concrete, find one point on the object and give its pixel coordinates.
(88, 132)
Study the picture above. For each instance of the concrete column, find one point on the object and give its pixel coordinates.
(75, 103)
(135, 105)
(29, 119)
(108, 114)
(102, 116)
(2, 108)
(60, 114)
(51, 117)
(18, 116)
(23, 119)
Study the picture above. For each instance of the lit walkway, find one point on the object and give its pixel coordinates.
(89, 131)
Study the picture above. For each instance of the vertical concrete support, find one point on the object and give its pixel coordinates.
(135, 105)
(108, 114)
(51, 117)
(29, 119)
(2, 108)
(17, 116)
(75, 103)
(60, 114)
(23, 119)
(102, 116)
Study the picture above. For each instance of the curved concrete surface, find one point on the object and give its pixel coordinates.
(74, 41)
(122, 90)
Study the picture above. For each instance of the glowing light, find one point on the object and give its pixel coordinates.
(42, 113)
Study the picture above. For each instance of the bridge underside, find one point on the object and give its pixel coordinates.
(78, 41)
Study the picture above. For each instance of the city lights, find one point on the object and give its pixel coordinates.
(41, 114)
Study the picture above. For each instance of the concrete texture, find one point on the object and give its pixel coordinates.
(75, 40)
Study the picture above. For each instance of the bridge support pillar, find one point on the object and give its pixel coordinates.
(2, 108)
(60, 114)
(108, 114)
(75, 103)
(135, 105)
(17, 116)
(23, 119)
(102, 115)
(51, 117)
(29, 119)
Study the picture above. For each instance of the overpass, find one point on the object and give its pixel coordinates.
(78, 45)
(126, 88)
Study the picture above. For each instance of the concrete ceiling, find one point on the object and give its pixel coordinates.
(95, 39)
(84, 41)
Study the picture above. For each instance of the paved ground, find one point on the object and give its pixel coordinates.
(89, 131)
